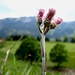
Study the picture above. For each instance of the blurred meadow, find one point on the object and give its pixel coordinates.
(18, 67)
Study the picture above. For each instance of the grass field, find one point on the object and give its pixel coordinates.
(70, 47)
(25, 68)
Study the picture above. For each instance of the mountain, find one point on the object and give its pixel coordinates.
(28, 25)
(64, 29)
(22, 25)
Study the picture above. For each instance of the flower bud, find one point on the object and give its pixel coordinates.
(50, 14)
(58, 20)
(40, 15)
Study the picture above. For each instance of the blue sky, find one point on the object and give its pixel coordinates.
(18, 8)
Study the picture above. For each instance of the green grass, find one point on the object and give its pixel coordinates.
(14, 67)
(9, 44)
(70, 47)
(21, 68)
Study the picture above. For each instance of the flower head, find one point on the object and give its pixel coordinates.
(50, 14)
(41, 13)
(58, 20)
(48, 22)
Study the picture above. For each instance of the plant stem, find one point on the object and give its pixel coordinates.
(6, 57)
(43, 52)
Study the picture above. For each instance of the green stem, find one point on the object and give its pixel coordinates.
(43, 52)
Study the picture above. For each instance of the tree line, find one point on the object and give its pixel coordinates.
(65, 39)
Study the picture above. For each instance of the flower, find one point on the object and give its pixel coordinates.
(41, 13)
(50, 14)
(58, 20)
(47, 22)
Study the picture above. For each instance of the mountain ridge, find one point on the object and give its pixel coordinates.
(28, 25)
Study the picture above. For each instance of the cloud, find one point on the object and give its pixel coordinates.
(9, 15)
(24, 7)
(64, 8)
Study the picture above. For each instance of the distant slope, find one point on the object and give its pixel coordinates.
(28, 25)
(65, 29)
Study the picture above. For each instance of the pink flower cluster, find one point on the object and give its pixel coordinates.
(49, 16)
(48, 21)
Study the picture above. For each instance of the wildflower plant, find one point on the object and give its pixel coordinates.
(46, 23)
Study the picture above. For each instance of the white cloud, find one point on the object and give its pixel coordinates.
(24, 7)
(9, 15)
(64, 8)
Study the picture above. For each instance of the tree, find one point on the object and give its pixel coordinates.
(58, 54)
(29, 50)
(1, 43)
(47, 39)
(16, 37)
(73, 40)
(38, 38)
(58, 40)
(66, 39)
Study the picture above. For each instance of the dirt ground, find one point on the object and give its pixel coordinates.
(64, 71)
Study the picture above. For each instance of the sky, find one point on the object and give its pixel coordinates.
(20, 8)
